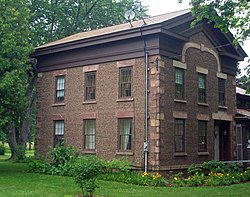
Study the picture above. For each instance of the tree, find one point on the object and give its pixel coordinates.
(54, 19)
(226, 14)
(15, 72)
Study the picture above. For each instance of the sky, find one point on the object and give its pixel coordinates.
(157, 7)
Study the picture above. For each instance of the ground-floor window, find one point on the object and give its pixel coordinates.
(59, 132)
(202, 136)
(125, 133)
(89, 134)
(179, 136)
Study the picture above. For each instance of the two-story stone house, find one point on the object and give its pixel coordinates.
(159, 93)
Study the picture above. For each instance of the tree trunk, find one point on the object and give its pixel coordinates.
(17, 143)
(11, 137)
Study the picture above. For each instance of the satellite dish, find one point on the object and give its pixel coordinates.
(129, 15)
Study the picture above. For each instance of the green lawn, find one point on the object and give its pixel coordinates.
(14, 181)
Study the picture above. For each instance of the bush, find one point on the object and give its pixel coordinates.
(117, 165)
(195, 180)
(2, 149)
(177, 180)
(193, 170)
(220, 167)
(86, 170)
(59, 161)
(147, 179)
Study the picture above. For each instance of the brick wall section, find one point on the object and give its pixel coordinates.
(193, 111)
(106, 109)
(162, 109)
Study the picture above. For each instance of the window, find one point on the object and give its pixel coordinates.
(125, 134)
(90, 78)
(202, 136)
(179, 83)
(201, 88)
(179, 135)
(221, 84)
(125, 82)
(59, 132)
(89, 134)
(59, 89)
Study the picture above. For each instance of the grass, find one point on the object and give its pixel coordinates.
(15, 181)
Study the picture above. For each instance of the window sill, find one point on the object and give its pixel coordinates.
(89, 151)
(124, 153)
(203, 104)
(180, 101)
(203, 153)
(89, 102)
(125, 99)
(58, 104)
(222, 107)
(180, 154)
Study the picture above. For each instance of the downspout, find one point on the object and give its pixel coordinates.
(146, 109)
(146, 142)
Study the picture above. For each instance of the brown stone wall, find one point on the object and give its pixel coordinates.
(191, 110)
(107, 109)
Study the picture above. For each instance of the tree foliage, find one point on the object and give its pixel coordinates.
(55, 19)
(14, 69)
(226, 14)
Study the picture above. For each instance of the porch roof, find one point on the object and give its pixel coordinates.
(242, 114)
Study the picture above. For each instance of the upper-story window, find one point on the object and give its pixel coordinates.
(60, 89)
(202, 88)
(125, 82)
(221, 88)
(179, 137)
(59, 132)
(179, 83)
(90, 86)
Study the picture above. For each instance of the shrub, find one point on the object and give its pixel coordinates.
(37, 165)
(62, 159)
(195, 180)
(220, 167)
(59, 161)
(177, 180)
(117, 165)
(86, 170)
(2, 149)
(147, 179)
(193, 170)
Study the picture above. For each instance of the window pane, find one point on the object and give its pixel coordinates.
(89, 134)
(179, 135)
(59, 127)
(179, 83)
(125, 129)
(179, 76)
(90, 81)
(60, 83)
(221, 88)
(90, 126)
(201, 81)
(59, 132)
(59, 89)
(125, 82)
(202, 135)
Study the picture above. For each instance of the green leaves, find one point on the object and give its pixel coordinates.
(227, 14)
(14, 54)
